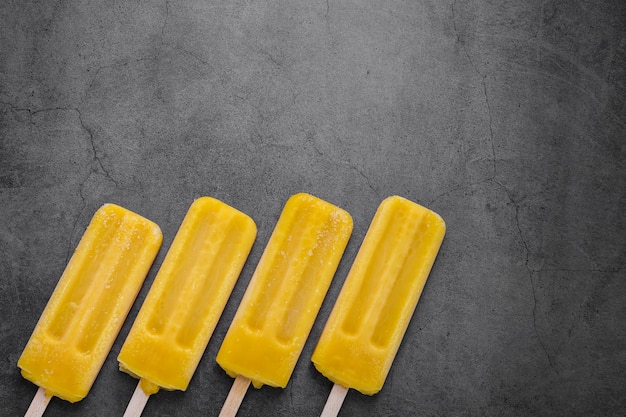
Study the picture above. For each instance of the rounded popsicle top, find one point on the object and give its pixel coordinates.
(110, 211)
(395, 201)
(311, 202)
(206, 203)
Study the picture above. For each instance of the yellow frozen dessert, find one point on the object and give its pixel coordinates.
(285, 293)
(371, 314)
(89, 304)
(187, 298)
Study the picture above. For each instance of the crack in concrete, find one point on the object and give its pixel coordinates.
(16, 109)
(457, 188)
(96, 158)
(483, 80)
(529, 270)
(494, 179)
(344, 163)
(96, 162)
(165, 20)
(100, 68)
(367, 179)
(493, 148)
(80, 212)
(196, 57)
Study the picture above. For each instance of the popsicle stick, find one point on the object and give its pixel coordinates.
(39, 404)
(235, 397)
(334, 401)
(137, 402)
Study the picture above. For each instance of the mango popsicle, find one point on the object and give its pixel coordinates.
(283, 298)
(186, 300)
(89, 304)
(371, 314)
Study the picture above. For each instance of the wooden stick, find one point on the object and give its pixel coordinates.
(235, 397)
(39, 404)
(334, 401)
(137, 402)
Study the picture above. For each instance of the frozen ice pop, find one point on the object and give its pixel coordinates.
(187, 298)
(371, 314)
(283, 298)
(89, 305)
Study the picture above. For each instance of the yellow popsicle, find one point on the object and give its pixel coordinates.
(371, 314)
(188, 295)
(286, 291)
(90, 303)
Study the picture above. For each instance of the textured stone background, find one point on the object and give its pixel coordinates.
(506, 117)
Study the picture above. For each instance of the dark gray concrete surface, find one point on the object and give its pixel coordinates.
(506, 117)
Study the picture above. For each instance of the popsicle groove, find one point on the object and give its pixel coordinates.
(88, 269)
(305, 284)
(403, 283)
(203, 300)
(373, 281)
(279, 264)
(102, 315)
(172, 292)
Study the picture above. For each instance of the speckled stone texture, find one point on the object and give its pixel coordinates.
(508, 118)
